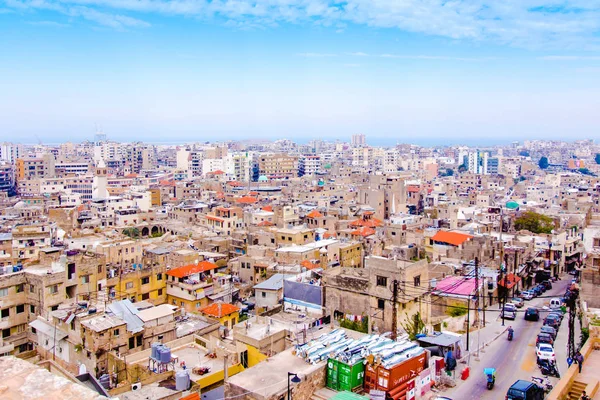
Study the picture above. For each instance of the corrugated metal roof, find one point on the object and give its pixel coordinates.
(47, 329)
(125, 310)
(273, 283)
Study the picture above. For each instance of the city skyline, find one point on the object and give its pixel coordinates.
(190, 70)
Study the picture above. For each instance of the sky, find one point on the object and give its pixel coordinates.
(443, 71)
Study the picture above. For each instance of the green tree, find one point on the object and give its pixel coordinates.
(543, 162)
(133, 233)
(534, 222)
(597, 158)
(585, 171)
(449, 172)
(524, 153)
(462, 168)
(413, 325)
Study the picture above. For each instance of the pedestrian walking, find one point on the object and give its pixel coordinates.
(584, 396)
(569, 361)
(579, 359)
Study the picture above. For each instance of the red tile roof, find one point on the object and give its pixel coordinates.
(166, 183)
(219, 309)
(234, 183)
(247, 200)
(218, 172)
(309, 265)
(314, 214)
(192, 396)
(212, 217)
(367, 222)
(267, 208)
(364, 232)
(265, 223)
(328, 235)
(187, 270)
(453, 238)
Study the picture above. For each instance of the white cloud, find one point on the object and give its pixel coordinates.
(523, 23)
(570, 58)
(52, 24)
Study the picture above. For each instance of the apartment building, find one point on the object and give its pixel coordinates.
(278, 166)
(27, 240)
(189, 286)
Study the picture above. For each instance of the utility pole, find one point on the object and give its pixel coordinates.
(468, 320)
(394, 310)
(476, 320)
(483, 298)
(572, 303)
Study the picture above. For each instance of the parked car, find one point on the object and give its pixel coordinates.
(549, 330)
(518, 302)
(532, 314)
(544, 338)
(537, 291)
(542, 287)
(552, 320)
(547, 284)
(558, 315)
(526, 295)
(509, 311)
(555, 303)
(544, 351)
(525, 390)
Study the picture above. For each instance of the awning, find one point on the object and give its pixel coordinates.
(48, 329)
(509, 281)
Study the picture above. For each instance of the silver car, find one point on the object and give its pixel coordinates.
(526, 295)
(518, 302)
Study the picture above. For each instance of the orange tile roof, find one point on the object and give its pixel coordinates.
(364, 232)
(187, 270)
(453, 238)
(234, 183)
(219, 309)
(220, 195)
(247, 200)
(166, 183)
(191, 396)
(267, 208)
(265, 223)
(132, 175)
(218, 172)
(413, 189)
(314, 214)
(213, 218)
(328, 235)
(367, 222)
(309, 265)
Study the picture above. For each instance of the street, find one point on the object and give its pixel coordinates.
(516, 359)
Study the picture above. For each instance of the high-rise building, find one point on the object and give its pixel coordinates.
(480, 162)
(358, 140)
(278, 166)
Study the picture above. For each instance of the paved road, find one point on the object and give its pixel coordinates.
(513, 360)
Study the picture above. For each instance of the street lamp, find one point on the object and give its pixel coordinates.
(295, 379)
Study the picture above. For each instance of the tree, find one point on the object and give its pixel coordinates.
(585, 171)
(132, 232)
(413, 326)
(543, 162)
(524, 153)
(462, 168)
(449, 172)
(597, 158)
(534, 222)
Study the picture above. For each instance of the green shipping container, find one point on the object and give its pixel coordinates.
(351, 377)
(332, 374)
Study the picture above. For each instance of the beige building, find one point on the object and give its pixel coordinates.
(278, 166)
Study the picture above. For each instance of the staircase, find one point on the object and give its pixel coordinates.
(323, 394)
(576, 389)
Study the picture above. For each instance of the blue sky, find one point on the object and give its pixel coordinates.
(398, 70)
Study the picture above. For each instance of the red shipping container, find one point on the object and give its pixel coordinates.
(395, 381)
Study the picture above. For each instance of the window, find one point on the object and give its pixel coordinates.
(145, 296)
(129, 285)
(20, 308)
(116, 332)
(160, 292)
(264, 294)
(5, 313)
(5, 333)
(381, 304)
(145, 280)
(381, 281)
(159, 277)
(198, 305)
(54, 308)
(417, 280)
(3, 292)
(31, 288)
(53, 289)
(99, 269)
(20, 288)
(85, 279)
(596, 242)
(138, 340)
(131, 343)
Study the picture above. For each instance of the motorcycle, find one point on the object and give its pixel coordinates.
(548, 367)
(544, 382)
(510, 335)
(490, 374)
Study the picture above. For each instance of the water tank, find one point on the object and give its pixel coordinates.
(165, 355)
(154, 353)
(182, 380)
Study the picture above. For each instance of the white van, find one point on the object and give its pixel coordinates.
(555, 302)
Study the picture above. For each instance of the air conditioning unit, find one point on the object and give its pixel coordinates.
(136, 386)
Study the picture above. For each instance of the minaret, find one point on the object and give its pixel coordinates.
(99, 190)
